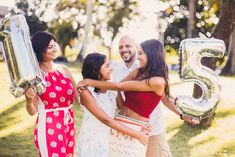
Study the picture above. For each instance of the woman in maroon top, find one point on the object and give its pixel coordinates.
(144, 86)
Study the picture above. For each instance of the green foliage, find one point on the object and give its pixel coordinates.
(35, 12)
(63, 31)
(107, 17)
(170, 50)
(29, 11)
(64, 4)
(124, 11)
(176, 16)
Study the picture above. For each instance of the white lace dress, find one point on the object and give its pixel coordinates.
(93, 140)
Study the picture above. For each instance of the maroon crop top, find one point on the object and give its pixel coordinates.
(143, 103)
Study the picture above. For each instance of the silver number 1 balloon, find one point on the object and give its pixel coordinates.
(18, 53)
(191, 53)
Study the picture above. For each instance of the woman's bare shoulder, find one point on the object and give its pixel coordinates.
(63, 69)
(157, 82)
(158, 79)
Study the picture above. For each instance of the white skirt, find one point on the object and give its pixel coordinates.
(122, 145)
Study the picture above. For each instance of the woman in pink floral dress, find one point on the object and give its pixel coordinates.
(55, 130)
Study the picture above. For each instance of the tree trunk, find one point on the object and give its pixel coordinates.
(89, 10)
(191, 19)
(222, 31)
(62, 48)
(62, 58)
(226, 22)
(229, 68)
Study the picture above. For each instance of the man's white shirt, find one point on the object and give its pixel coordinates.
(156, 117)
(121, 70)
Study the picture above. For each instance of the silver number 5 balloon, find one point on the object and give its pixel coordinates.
(191, 70)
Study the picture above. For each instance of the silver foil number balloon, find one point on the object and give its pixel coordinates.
(18, 53)
(191, 70)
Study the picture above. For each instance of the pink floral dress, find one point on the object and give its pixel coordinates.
(55, 130)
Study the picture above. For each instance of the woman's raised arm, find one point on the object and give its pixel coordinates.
(156, 84)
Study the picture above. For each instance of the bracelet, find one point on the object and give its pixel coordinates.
(175, 101)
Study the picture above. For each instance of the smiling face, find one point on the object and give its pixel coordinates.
(105, 71)
(49, 53)
(127, 49)
(142, 57)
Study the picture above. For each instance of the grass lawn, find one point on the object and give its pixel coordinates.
(218, 140)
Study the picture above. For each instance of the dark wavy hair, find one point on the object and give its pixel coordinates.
(156, 65)
(40, 41)
(92, 65)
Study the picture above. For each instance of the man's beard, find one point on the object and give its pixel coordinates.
(129, 60)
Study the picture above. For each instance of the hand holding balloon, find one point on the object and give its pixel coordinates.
(30, 93)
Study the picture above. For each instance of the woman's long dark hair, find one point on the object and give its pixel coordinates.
(91, 67)
(156, 65)
(40, 41)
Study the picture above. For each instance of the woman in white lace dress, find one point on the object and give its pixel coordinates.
(98, 111)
